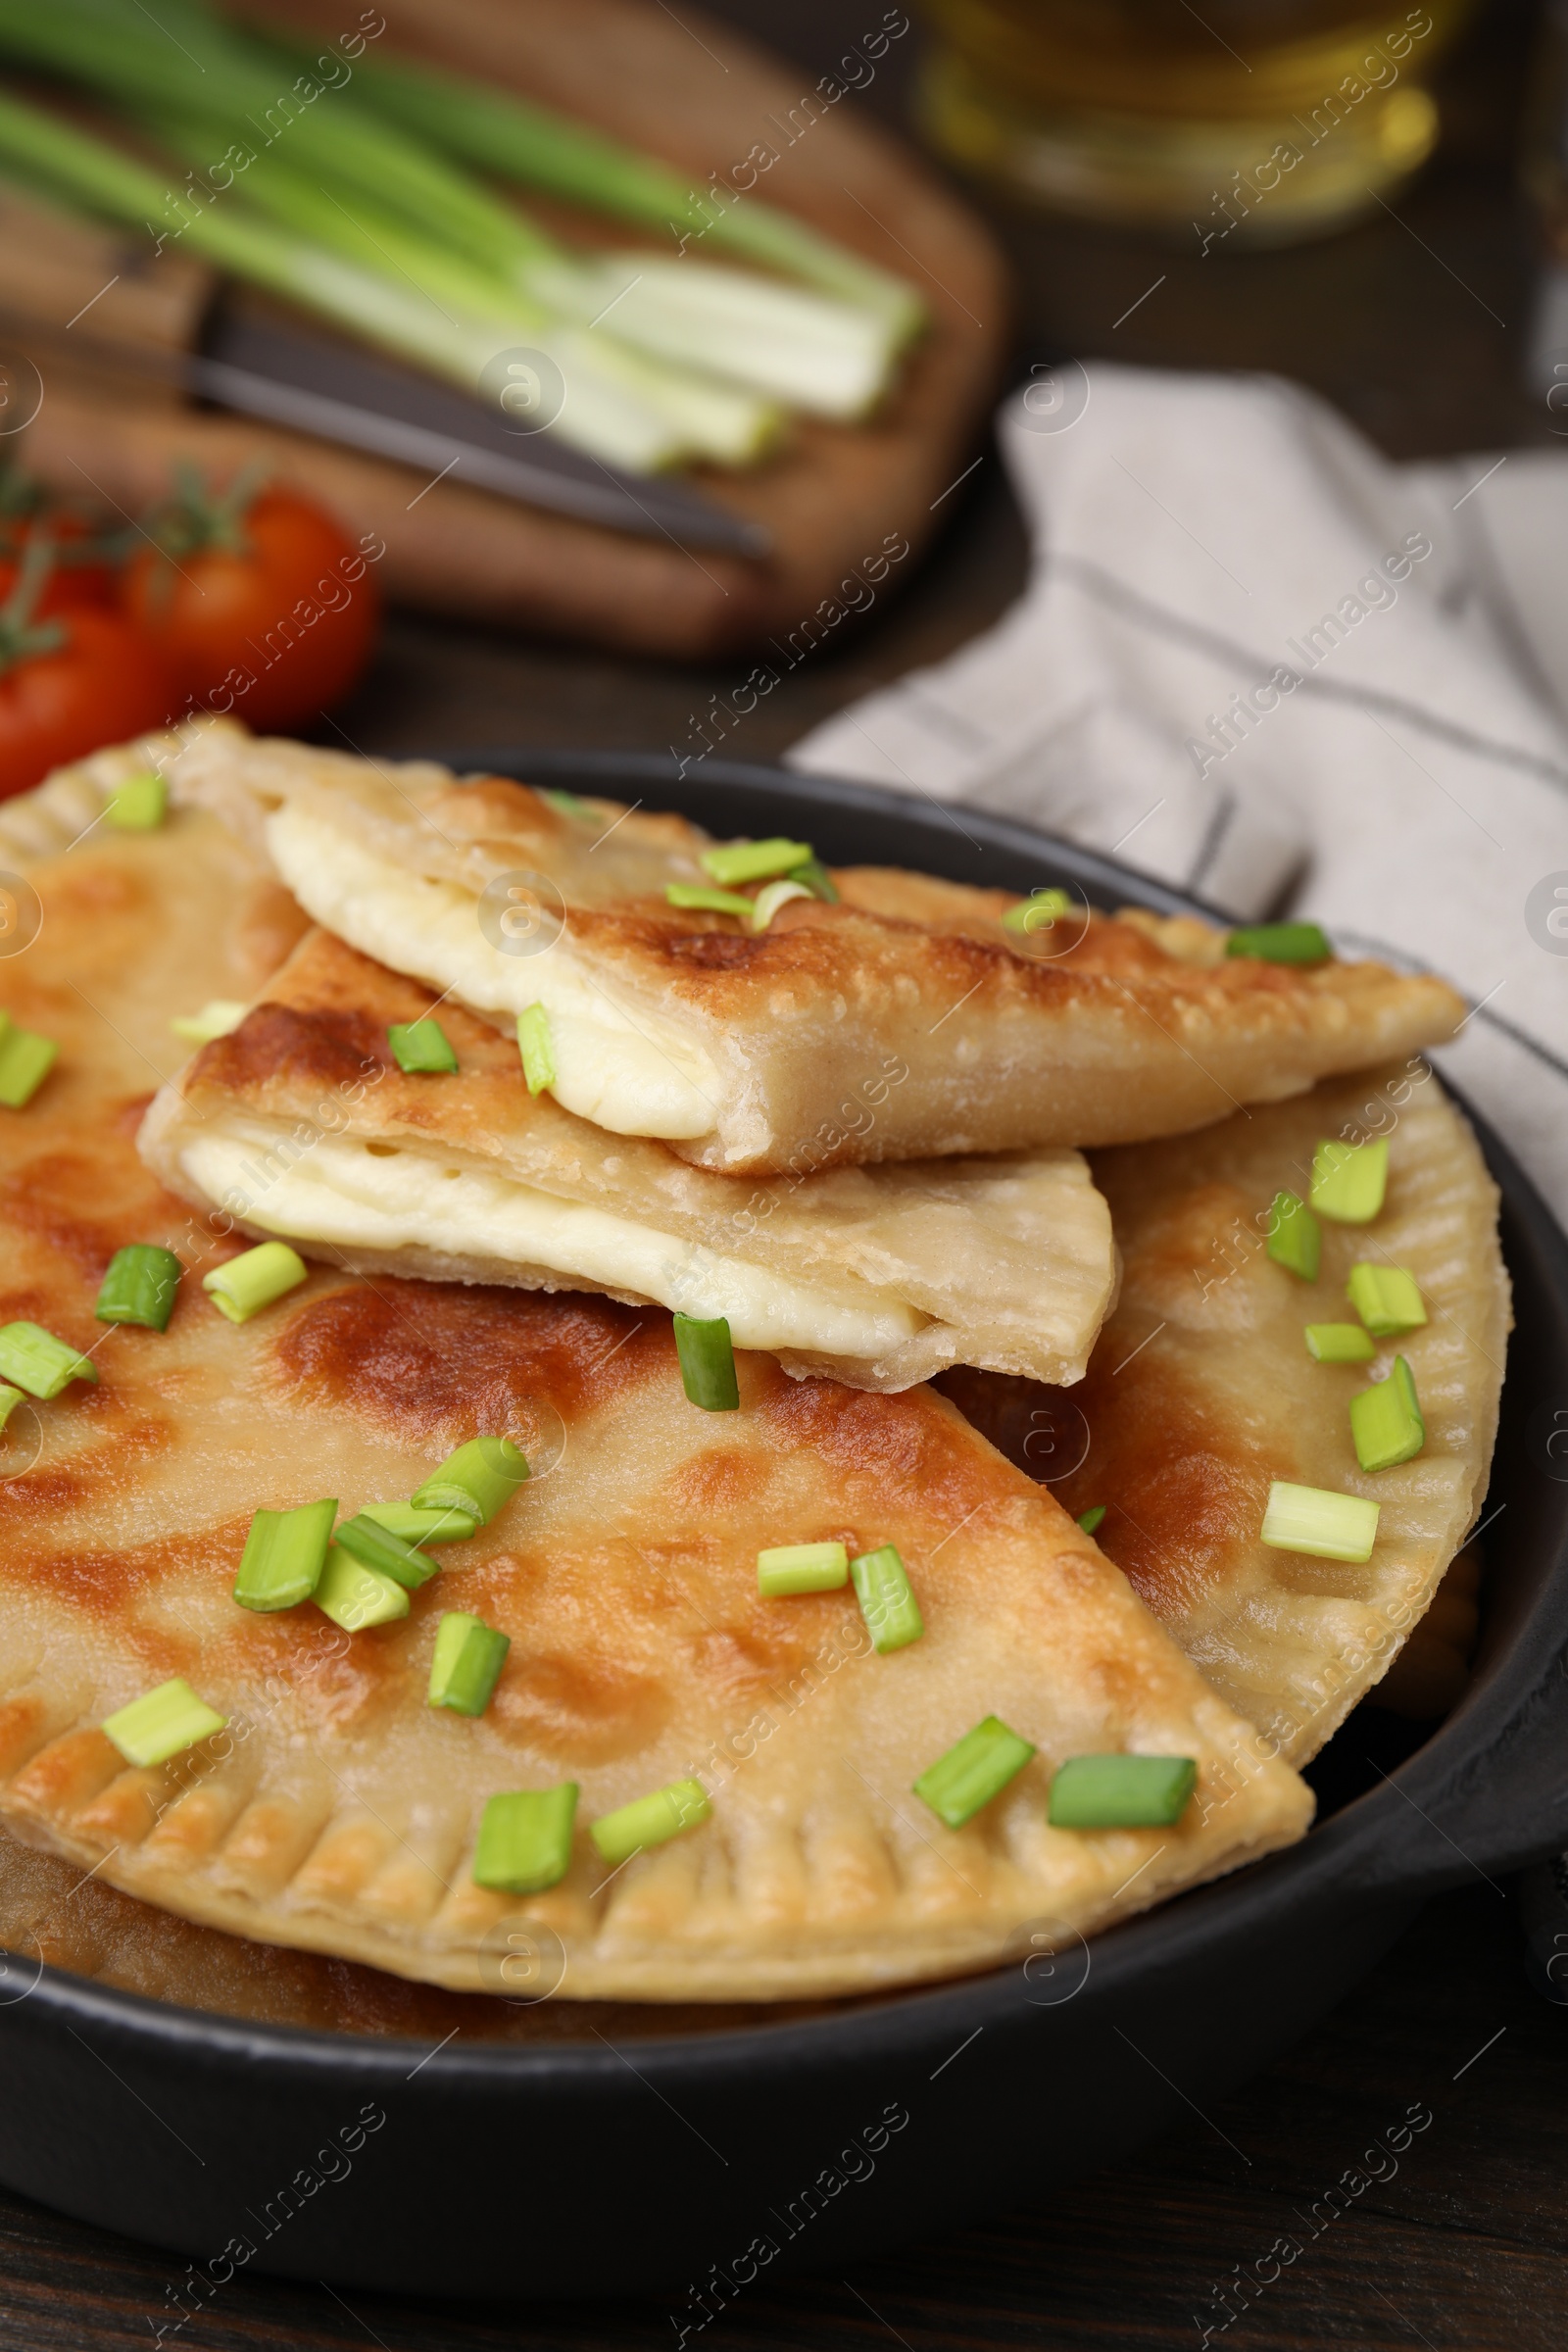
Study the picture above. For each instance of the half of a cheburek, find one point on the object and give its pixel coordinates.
(338, 1810)
(302, 1125)
(751, 1050)
(1201, 1392)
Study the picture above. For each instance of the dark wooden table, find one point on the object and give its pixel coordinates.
(1417, 326)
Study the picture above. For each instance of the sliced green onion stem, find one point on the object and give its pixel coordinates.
(1349, 1180)
(1295, 1235)
(1386, 1421)
(1039, 912)
(815, 877)
(1092, 1520)
(887, 1599)
(355, 1596)
(974, 1770)
(650, 1821)
(708, 1362)
(10, 1398)
(373, 1545)
(284, 1554)
(1121, 1793)
(477, 1478)
(35, 1360)
(735, 862)
(802, 1568)
(774, 895)
(418, 1046)
(467, 1666)
(139, 805)
(1280, 943)
(1319, 1522)
(1388, 1300)
(219, 1016)
(256, 1279)
(162, 1723)
(535, 1047)
(139, 1285)
(1339, 1343)
(525, 1842)
(26, 1061)
(420, 1527)
(704, 900)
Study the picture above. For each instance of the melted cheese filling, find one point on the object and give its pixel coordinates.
(635, 1076)
(342, 1192)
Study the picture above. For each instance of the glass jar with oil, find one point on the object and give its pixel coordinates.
(1225, 122)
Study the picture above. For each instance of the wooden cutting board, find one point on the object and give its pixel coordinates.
(691, 92)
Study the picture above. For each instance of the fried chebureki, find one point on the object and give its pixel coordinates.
(1202, 1392)
(338, 1810)
(751, 1050)
(300, 1124)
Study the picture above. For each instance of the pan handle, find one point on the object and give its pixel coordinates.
(1495, 1803)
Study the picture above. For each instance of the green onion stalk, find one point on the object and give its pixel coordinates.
(605, 418)
(516, 140)
(685, 358)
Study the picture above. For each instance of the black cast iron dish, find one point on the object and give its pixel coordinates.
(580, 2168)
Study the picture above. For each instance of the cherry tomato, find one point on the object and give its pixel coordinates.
(262, 605)
(82, 577)
(100, 684)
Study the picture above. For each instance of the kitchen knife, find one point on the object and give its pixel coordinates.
(338, 394)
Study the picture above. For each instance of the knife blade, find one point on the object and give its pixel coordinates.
(337, 394)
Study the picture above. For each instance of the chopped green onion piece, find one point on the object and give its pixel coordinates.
(886, 1603)
(524, 1843)
(815, 877)
(1121, 1793)
(35, 1360)
(1038, 913)
(468, 1657)
(1387, 1299)
(10, 1398)
(376, 1546)
(1312, 1519)
(418, 1526)
(26, 1061)
(354, 1596)
(974, 1770)
(1386, 1420)
(1092, 1520)
(774, 895)
(420, 1046)
(1339, 1343)
(698, 896)
(1349, 1180)
(1280, 943)
(162, 1723)
(708, 1363)
(284, 1554)
(565, 804)
(137, 804)
(650, 1820)
(538, 1054)
(755, 861)
(1295, 1235)
(802, 1568)
(139, 1285)
(477, 1478)
(254, 1280)
(219, 1016)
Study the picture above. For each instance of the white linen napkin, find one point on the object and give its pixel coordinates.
(1258, 661)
